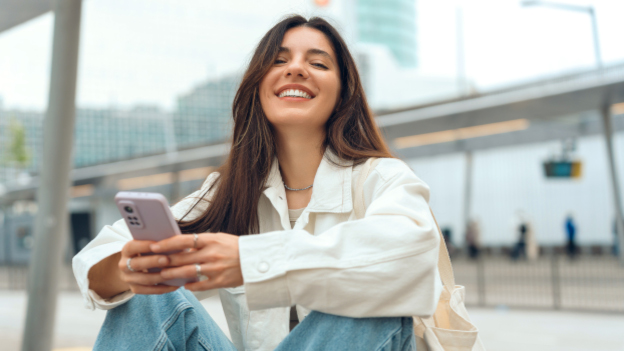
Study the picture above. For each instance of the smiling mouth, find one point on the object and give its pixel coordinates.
(295, 93)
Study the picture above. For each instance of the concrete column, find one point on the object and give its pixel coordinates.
(615, 183)
(175, 187)
(53, 192)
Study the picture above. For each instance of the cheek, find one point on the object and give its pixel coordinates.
(335, 84)
(264, 89)
(265, 92)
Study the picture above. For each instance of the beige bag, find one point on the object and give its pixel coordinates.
(449, 329)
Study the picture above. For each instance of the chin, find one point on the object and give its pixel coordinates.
(291, 120)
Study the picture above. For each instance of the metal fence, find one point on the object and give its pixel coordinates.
(15, 277)
(590, 283)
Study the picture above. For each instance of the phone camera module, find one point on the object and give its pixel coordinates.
(128, 209)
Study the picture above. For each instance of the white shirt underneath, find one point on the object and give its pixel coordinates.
(294, 215)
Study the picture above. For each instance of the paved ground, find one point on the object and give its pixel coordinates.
(501, 329)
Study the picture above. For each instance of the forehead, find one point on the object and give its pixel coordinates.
(305, 38)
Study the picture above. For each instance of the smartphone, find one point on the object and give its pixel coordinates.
(149, 218)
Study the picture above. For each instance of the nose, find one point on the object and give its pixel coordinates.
(296, 68)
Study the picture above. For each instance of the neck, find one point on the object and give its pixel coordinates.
(299, 155)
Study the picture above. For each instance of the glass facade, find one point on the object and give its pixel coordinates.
(202, 116)
(205, 114)
(391, 23)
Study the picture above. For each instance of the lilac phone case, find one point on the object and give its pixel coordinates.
(149, 218)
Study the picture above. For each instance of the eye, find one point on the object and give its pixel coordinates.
(279, 61)
(319, 65)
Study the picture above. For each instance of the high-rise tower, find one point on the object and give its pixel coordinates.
(391, 23)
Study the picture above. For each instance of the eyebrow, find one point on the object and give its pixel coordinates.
(310, 52)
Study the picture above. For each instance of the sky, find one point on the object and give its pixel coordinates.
(150, 52)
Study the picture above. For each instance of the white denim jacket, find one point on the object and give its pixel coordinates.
(384, 264)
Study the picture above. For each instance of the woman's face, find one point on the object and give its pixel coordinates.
(303, 86)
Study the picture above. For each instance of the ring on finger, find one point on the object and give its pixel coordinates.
(129, 265)
(198, 271)
(195, 238)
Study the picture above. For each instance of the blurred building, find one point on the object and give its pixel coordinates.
(382, 36)
(203, 116)
(391, 23)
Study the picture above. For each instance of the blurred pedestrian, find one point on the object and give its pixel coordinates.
(570, 228)
(532, 248)
(447, 234)
(520, 247)
(473, 239)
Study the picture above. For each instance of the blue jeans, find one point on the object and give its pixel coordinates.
(177, 321)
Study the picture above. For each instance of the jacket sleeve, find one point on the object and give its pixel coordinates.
(112, 238)
(384, 264)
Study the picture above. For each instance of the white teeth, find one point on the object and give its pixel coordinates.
(295, 93)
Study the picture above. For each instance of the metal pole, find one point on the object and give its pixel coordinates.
(467, 190)
(481, 280)
(53, 192)
(615, 185)
(461, 66)
(592, 14)
(555, 279)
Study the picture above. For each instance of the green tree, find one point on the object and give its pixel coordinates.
(18, 154)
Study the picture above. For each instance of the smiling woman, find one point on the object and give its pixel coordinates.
(302, 149)
(304, 78)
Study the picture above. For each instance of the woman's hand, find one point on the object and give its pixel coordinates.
(217, 255)
(141, 281)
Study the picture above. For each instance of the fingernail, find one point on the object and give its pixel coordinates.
(155, 247)
(162, 260)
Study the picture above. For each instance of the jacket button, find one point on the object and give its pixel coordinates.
(263, 267)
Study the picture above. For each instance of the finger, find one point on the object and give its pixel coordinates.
(176, 243)
(203, 285)
(144, 262)
(188, 271)
(135, 247)
(152, 289)
(186, 258)
(140, 278)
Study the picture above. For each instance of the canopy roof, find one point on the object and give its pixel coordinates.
(15, 12)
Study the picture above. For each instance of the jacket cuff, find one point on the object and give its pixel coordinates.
(107, 304)
(81, 265)
(264, 265)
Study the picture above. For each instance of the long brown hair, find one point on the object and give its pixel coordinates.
(351, 133)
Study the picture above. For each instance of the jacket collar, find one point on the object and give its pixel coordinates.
(331, 191)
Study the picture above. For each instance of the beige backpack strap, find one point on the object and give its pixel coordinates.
(444, 260)
(359, 207)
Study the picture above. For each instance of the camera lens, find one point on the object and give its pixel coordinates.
(128, 209)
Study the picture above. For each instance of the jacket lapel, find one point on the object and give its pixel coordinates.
(331, 192)
(332, 186)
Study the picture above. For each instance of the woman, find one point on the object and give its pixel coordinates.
(302, 130)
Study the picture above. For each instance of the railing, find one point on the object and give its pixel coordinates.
(15, 277)
(591, 283)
